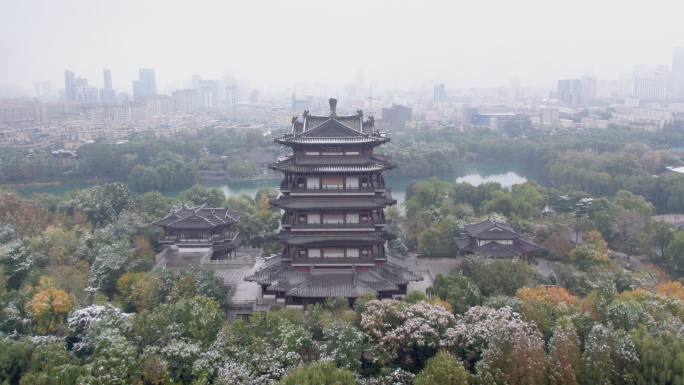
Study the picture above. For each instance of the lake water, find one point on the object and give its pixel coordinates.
(474, 174)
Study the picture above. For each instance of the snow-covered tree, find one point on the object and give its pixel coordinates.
(609, 356)
(409, 332)
(343, 344)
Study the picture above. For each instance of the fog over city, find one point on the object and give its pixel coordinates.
(283, 44)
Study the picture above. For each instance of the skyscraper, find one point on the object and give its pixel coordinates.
(678, 59)
(577, 92)
(678, 72)
(107, 79)
(145, 85)
(107, 94)
(439, 93)
(69, 85)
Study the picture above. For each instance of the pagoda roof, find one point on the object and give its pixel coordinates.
(290, 139)
(335, 239)
(330, 164)
(333, 129)
(374, 202)
(348, 282)
(488, 225)
(201, 217)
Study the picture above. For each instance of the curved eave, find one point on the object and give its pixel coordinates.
(319, 204)
(328, 169)
(305, 142)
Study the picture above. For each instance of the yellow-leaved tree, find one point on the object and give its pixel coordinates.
(48, 307)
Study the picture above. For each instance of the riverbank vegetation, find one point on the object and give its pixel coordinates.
(600, 162)
(145, 163)
(82, 304)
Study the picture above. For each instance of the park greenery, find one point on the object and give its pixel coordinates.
(82, 301)
(146, 163)
(83, 304)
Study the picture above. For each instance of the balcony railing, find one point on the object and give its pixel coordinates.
(331, 190)
(361, 260)
(330, 226)
(216, 238)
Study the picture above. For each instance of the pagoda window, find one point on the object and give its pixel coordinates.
(313, 153)
(363, 218)
(332, 182)
(313, 218)
(352, 182)
(351, 153)
(333, 218)
(364, 182)
(302, 252)
(314, 253)
(352, 253)
(301, 182)
(301, 218)
(333, 253)
(353, 218)
(313, 183)
(365, 252)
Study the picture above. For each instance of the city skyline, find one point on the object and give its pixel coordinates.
(401, 44)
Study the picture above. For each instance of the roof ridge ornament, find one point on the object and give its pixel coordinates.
(333, 107)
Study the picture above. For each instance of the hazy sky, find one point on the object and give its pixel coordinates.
(278, 43)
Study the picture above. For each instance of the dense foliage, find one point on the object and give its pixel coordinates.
(83, 304)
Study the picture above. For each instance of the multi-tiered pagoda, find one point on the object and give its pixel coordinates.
(333, 225)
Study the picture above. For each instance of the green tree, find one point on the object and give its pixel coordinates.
(242, 168)
(443, 369)
(663, 233)
(319, 373)
(459, 291)
(17, 262)
(499, 276)
(144, 178)
(199, 195)
(675, 250)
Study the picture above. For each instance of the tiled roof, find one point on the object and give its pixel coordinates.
(335, 165)
(335, 239)
(350, 282)
(498, 233)
(333, 203)
(330, 140)
(199, 217)
(476, 228)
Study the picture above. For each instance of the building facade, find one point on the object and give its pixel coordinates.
(333, 226)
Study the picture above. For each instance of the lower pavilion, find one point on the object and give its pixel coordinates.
(201, 227)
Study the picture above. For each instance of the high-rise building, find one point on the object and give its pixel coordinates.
(678, 72)
(107, 73)
(678, 59)
(107, 94)
(185, 101)
(396, 116)
(577, 92)
(651, 83)
(231, 96)
(146, 84)
(207, 94)
(439, 94)
(333, 226)
(69, 85)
